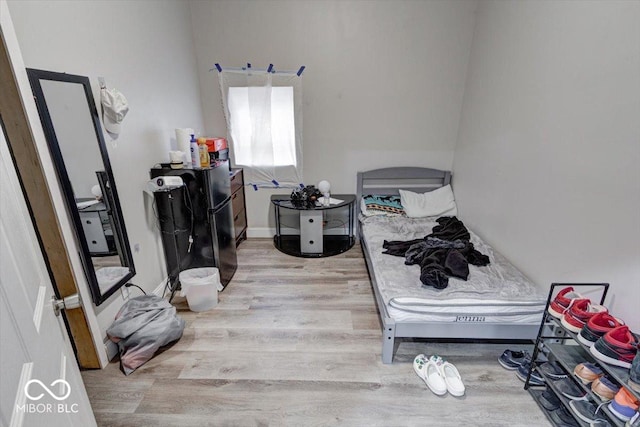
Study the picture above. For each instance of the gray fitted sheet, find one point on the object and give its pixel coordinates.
(499, 284)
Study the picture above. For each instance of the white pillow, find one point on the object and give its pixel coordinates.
(439, 202)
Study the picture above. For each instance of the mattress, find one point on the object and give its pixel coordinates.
(496, 293)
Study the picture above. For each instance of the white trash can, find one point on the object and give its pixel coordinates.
(200, 286)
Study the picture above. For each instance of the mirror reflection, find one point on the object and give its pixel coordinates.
(69, 116)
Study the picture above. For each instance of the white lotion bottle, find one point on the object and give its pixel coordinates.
(195, 153)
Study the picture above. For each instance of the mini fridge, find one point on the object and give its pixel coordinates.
(196, 221)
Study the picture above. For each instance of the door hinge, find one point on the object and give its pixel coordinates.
(66, 303)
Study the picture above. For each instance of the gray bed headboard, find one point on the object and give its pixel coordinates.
(389, 180)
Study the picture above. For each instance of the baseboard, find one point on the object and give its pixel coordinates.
(159, 290)
(112, 349)
(261, 232)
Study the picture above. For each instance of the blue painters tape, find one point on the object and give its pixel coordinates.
(255, 187)
(219, 68)
(270, 68)
(275, 183)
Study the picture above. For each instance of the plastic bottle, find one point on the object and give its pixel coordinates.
(195, 154)
(203, 152)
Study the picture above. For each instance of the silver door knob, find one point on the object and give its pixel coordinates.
(66, 303)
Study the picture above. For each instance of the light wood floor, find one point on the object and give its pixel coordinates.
(297, 342)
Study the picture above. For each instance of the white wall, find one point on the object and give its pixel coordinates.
(144, 49)
(546, 165)
(383, 83)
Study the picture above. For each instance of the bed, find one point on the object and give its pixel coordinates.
(497, 302)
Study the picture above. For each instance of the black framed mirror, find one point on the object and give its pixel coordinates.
(72, 128)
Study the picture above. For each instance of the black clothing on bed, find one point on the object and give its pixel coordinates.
(449, 229)
(446, 252)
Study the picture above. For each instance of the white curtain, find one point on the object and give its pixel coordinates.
(263, 111)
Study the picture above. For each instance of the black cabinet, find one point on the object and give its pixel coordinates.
(238, 205)
(196, 221)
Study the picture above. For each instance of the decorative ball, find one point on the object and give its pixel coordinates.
(96, 191)
(324, 186)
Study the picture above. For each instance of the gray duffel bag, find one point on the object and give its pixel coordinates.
(141, 327)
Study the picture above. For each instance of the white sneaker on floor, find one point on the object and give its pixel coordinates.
(418, 364)
(450, 374)
(430, 374)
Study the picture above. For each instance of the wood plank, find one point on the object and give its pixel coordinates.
(366, 320)
(115, 393)
(276, 319)
(278, 340)
(293, 366)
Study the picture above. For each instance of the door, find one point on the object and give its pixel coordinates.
(40, 381)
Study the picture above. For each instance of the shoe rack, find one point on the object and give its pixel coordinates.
(556, 343)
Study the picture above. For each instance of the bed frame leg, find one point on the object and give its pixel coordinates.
(388, 343)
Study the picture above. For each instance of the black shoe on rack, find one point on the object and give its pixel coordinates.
(553, 370)
(549, 400)
(535, 379)
(600, 423)
(586, 411)
(569, 389)
(562, 418)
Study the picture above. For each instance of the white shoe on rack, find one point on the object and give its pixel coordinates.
(450, 374)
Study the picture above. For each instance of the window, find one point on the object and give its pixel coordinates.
(264, 125)
(280, 149)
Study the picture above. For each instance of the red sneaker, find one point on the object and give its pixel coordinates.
(580, 313)
(597, 326)
(616, 347)
(562, 301)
